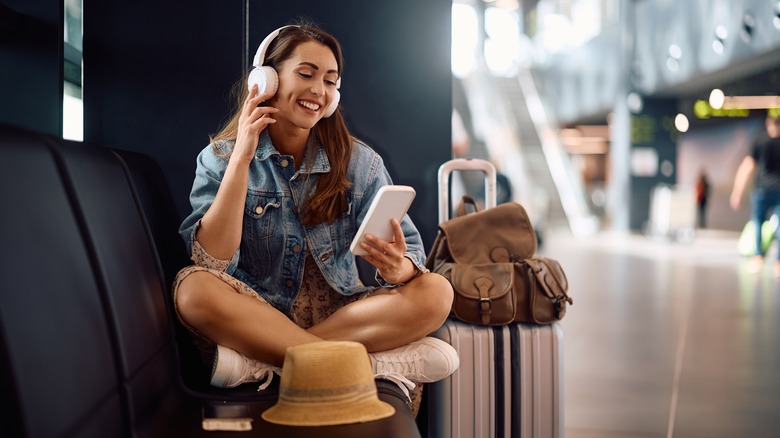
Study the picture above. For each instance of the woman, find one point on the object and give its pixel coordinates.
(277, 198)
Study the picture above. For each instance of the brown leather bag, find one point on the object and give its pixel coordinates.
(488, 258)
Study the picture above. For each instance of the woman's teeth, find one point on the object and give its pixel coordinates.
(309, 105)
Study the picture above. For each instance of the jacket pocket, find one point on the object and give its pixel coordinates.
(261, 217)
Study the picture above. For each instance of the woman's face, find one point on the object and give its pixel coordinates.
(307, 84)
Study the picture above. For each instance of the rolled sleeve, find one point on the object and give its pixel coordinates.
(208, 176)
(201, 257)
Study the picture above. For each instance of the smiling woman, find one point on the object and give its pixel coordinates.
(277, 198)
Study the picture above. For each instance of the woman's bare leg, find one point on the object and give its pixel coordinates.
(390, 318)
(387, 319)
(242, 323)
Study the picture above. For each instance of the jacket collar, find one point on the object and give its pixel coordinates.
(266, 149)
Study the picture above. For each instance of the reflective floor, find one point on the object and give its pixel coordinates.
(668, 339)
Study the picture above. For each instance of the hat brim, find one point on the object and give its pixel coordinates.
(327, 414)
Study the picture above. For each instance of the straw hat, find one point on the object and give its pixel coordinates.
(327, 383)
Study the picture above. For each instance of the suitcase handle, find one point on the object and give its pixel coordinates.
(465, 164)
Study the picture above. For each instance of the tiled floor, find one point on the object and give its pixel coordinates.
(668, 339)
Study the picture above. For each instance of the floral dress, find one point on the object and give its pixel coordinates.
(315, 302)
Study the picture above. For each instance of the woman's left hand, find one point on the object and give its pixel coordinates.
(388, 257)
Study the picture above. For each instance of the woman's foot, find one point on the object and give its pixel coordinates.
(427, 360)
(232, 368)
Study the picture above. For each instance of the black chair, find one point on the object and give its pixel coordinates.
(59, 361)
(88, 338)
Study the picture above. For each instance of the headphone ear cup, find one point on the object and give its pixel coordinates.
(266, 79)
(333, 104)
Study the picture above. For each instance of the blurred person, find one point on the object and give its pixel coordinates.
(702, 194)
(277, 197)
(460, 136)
(763, 161)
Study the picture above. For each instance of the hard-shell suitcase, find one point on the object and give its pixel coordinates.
(509, 383)
(510, 379)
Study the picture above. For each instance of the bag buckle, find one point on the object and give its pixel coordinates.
(485, 307)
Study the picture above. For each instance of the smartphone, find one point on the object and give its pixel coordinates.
(390, 202)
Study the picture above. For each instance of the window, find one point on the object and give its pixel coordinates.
(464, 39)
(72, 107)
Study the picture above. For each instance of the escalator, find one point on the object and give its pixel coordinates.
(525, 145)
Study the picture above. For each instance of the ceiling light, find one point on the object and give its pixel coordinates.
(675, 51)
(681, 123)
(634, 102)
(720, 32)
(717, 47)
(717, 98)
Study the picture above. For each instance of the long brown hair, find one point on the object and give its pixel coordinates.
(328, 202)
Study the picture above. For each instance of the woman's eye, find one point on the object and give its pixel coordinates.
(305, 75)
(331, 83)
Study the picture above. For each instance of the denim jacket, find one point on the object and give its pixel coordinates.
(273, 247)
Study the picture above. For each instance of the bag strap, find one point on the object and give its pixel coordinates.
(433, 255)
(464, 201)
(540, 268)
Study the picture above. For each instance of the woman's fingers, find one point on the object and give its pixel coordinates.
(384, 253)
(252, 121)
(254, 99)
(262, 111)
(398, 235)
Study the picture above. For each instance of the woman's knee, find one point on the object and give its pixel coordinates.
(437, 295)
(192, 297)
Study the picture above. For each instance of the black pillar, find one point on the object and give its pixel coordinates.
(157, 77)
(653, 155)
(31, 39)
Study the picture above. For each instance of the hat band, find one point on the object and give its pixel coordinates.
(314, 396)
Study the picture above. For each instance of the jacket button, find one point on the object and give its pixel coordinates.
(325, 256)
(285, 163)
(297, 248)
(259, 209)
(289, 283)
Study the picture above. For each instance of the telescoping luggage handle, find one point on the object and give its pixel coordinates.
(465, 164)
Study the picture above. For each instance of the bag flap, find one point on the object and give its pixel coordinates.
(482, 281)
(504, 230)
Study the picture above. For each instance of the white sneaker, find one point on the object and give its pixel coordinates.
(427, 360)
(232, 368)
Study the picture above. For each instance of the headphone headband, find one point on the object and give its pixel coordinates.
(267, 79)
(260, 55)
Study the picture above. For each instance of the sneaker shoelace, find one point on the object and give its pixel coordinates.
(404, 365)
(405, 384)
(398, 368)
(260, 370)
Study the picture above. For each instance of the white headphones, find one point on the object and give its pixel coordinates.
(267, 79)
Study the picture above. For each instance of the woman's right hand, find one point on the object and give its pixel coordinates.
(251, 122)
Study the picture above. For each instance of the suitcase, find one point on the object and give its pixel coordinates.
(510, 379)
(509, 383)
(673, 212)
